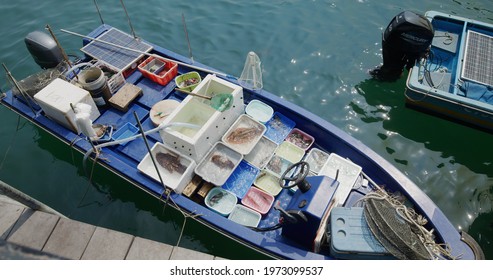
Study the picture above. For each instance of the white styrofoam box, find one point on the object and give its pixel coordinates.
(348, 174)
(55, 100)
(195, 143)
(180, 168)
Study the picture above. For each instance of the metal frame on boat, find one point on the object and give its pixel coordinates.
(297, 223)
(455, 80)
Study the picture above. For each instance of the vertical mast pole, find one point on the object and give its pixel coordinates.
(128, 18)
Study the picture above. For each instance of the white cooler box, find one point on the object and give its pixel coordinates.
(212, 124)
(55, 100)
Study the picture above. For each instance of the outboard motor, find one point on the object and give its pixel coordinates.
(43, 49)
(406, 39)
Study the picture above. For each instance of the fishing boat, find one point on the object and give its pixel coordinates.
(453, 74)
(238, 159)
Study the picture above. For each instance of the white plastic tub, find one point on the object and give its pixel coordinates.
(218, 164)
(244, 134)
(176, 170)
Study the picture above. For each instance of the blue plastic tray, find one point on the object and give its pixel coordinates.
(241, 179)
(127, 130)
(278, 127)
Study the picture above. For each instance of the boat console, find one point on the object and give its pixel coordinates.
(310, 205)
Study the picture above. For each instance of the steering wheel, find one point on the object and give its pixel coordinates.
(297, 178)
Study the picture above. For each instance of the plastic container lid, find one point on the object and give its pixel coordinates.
(161, 110)
(259, 111)
(221, 201)
(245, 216)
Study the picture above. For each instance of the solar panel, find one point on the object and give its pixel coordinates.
(114, 56)
(478, 58)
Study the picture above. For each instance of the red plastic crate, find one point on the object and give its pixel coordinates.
(163, 75)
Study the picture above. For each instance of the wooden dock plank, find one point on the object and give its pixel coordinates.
(187, 254)
(9, 214)
(107, 244)
(34, 231)
(145, 249)
(69, 239)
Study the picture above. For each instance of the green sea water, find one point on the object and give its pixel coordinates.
(314, 53)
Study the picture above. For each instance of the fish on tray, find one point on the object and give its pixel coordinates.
(222, 161)
(215, 198)
(170, 162)
(243, 135)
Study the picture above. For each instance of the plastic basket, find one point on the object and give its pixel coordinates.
(188, 81)
(158, 70)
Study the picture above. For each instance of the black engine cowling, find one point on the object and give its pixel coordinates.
(43, 49)
(406, 39)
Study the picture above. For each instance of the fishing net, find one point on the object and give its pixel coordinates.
(400, 229)
(36, 82)
(251, 76)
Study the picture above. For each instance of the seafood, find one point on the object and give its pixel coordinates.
(243, 134)
(299, 140)
(261, 175)
(275, 164)
(222, 161)
(189, 82)
(215, 198)
(170, 162)
(277, 124)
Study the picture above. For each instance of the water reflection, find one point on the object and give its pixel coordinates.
(449, 161)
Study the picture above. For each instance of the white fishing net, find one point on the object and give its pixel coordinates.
(251, 76)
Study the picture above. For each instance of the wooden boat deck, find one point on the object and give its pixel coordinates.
(69, 239)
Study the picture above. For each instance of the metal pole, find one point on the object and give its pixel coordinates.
(99, 12)
(128, 18)
(149, 149)
(186, 35)
(24, 95)
(65, 57)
